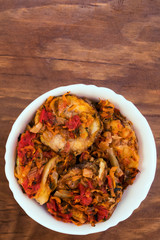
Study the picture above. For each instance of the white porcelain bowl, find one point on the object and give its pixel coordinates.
(134, 194)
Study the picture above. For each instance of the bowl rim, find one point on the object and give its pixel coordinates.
(81, 90)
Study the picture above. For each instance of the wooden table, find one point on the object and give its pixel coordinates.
(48, 43)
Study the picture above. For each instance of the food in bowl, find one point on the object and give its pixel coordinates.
(77, 157)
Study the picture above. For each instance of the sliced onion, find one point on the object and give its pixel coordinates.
(36, 128)
(63, 194)
(43, 194)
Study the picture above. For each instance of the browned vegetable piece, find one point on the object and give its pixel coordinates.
(73, 124)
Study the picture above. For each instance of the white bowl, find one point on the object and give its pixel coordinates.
(133, 195)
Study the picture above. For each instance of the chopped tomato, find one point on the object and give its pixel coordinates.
(109, 181)
(82, 189)
(26, 139)
(46, 116)
(25, 147)
(52, 205)
(30, 190)
(86, 200)
(85, 195)
(56, 209)
(66, 216)
(73, 122)
(102, 213)
(90, 185)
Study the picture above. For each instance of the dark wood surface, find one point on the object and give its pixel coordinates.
(48, 43)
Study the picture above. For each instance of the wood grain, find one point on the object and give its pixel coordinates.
(48, 43)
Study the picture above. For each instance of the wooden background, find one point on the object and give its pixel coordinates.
(48, 43)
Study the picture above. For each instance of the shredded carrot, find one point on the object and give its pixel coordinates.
(71, 108)
(64, 96)
(111, 173)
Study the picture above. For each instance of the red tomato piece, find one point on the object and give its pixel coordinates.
(102, 213)
(26, 139)
(73, 122)
(109, 181)
(46, 117)
(52, 205)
